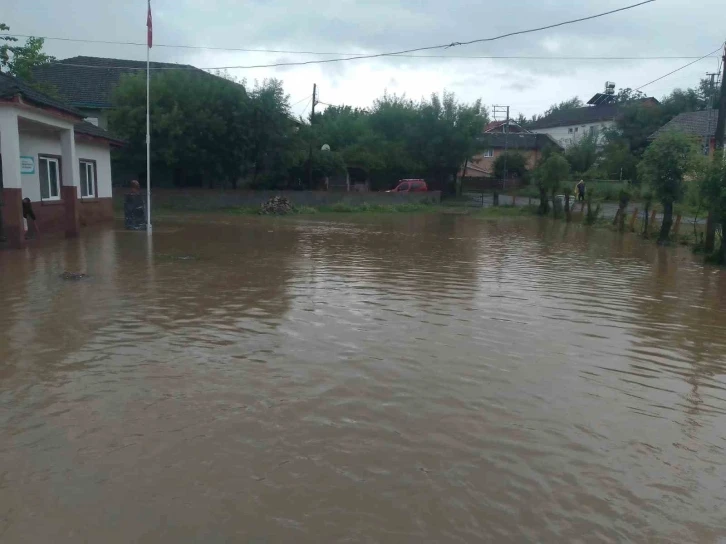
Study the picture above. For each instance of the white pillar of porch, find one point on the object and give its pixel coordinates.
(70, 177)
(12, 212)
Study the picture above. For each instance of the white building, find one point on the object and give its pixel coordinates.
(52, 157)
(567, 127)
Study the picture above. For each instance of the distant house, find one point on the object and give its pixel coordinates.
(88, 83)
(51, 156)
(494, 140)
(567, 127)
(700, 124)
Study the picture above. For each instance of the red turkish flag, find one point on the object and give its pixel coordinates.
(149, 27)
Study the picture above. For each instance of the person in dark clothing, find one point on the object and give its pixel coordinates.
(581, 190)
(135, 208)
(29, 216)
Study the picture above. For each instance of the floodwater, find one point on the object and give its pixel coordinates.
(375, 379)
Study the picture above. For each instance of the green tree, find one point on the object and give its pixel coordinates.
(516, 165)
(665, 164)
(399, 138)
(198, 125)
(583, 153)
(550, 175)
(712, 193)
(19, 60)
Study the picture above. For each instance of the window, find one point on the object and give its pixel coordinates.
(88, 179)
(489, 153)
(49, 173)
(569, 130)
(402, 187)
(576, 129)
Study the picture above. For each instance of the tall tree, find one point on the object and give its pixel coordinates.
(583, 153)
(19, 60)
(550, 175)
(665, 164)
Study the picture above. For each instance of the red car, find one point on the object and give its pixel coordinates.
(410, 186)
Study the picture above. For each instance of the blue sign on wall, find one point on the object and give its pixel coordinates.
(27, 165)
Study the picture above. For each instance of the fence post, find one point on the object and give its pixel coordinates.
(633, 218)
(677, 225)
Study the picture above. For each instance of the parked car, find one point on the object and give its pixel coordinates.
(410, 186)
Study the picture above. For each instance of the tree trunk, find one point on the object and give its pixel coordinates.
(710, 241)
(665, 228)
(555, 207)
(646, 212)
(496, 198)
(543, 204)
(568, 215)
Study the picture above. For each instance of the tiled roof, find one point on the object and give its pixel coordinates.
(517, 140)
(92, 130)
(578, 116)
(582, 116)
(11, 86)
(80, 82)
(697, 123)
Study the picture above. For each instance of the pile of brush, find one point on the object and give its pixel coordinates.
(277, 205)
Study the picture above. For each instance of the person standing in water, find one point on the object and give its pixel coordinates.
(29, 216)
(581, 190)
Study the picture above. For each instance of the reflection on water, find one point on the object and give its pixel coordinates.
(388, 379)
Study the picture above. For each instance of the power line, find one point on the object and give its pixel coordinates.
(306, 107)
(296, 103)
(291, 52)
(678, 69)
(398, 53)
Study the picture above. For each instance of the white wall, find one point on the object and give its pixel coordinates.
(100, 153)
(33, 143)
(565, 138)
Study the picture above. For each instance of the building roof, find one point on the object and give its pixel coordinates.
(518, 140)
(697, 123)
(498, 126)
(583, 116)
(89, 82)
(89, 129)
(11, 86)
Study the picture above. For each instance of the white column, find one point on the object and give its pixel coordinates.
(69, 161)
(10, 148)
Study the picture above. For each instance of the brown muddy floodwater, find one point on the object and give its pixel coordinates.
(371, 379)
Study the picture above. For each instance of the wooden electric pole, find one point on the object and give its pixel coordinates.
(721, 123)
(709, 241)
(312, 135)
(719, 152)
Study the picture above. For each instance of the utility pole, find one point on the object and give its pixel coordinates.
(505, 110)
(310, 155)
(711, 97)
(719, 154)
(721, 123)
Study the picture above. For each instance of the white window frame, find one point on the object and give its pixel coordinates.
(488, 153)
(89, 167)
(48, 162)
(570, 131)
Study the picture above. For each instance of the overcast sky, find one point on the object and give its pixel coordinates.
(662, 28)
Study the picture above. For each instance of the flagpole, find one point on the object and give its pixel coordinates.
(148, 130)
